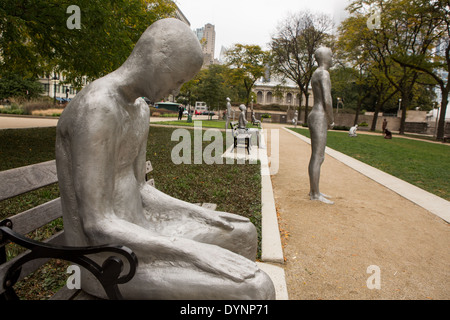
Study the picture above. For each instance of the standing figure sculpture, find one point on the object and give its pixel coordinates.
(184, 251)
(319, 120)
(295, 119)
(228, 114)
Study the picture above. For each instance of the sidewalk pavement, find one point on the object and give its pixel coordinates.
(21, 122)
(332, 250)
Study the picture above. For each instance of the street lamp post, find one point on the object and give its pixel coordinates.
(438, 109)
(54, 88)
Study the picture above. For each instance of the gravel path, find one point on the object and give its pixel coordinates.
(328, 249)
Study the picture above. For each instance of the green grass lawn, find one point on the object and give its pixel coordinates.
(234, 188)
(423, 164)
(219, 124)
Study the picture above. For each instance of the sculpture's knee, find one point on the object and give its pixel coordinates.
(245, 237)
(261, 287)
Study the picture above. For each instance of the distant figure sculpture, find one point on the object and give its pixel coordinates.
(255, 121)
(352, 131)
(228, 114)
(319, 120)
(184, 251)
(295, 119)
(242, 125)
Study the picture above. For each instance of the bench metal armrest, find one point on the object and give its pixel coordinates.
(108, 274)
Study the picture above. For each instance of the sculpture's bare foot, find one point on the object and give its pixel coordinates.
(323, 195)
(321, 198)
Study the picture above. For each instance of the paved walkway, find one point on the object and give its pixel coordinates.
(331, 250)
(12, 122)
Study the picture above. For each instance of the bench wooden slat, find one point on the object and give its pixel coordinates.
(24, 179)
(148, 167)
(36, 217)
(33, 265)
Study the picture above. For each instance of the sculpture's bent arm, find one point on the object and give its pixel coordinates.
(93, 167)
(327, 98)
(140, 163)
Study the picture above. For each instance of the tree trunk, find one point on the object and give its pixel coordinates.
(300, 105)
(306, 107)
(405, 105)
(375, 117)
(441, 124)
(358, 108)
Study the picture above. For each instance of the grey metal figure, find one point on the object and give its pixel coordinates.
(319, 120)
(184, 251)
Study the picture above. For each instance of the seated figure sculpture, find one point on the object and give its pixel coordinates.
(242, 125)
(352, 131)
(255, 121)
(184, 251)
(319, 120)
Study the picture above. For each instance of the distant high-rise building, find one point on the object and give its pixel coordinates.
(210, 36)
(207, 38)
(199, 33)
(222, 55)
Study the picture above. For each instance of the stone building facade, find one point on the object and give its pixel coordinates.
(274, 92)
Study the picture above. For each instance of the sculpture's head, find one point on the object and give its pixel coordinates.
(324, 57)
(242, 107)
(167, 55)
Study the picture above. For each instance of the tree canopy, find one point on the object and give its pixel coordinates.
(35, 38)
(248, 63)
(410, 45)
(293, 47)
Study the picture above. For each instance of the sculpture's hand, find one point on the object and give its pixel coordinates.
(332, 125)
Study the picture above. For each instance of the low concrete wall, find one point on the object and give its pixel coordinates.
(347, 120)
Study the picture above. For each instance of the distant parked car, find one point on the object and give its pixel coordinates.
(210, 113)
(147, 100)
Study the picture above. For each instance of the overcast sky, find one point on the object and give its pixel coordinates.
(250, 21)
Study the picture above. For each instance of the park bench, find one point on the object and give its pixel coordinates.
(240, 137)
(22, 180)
